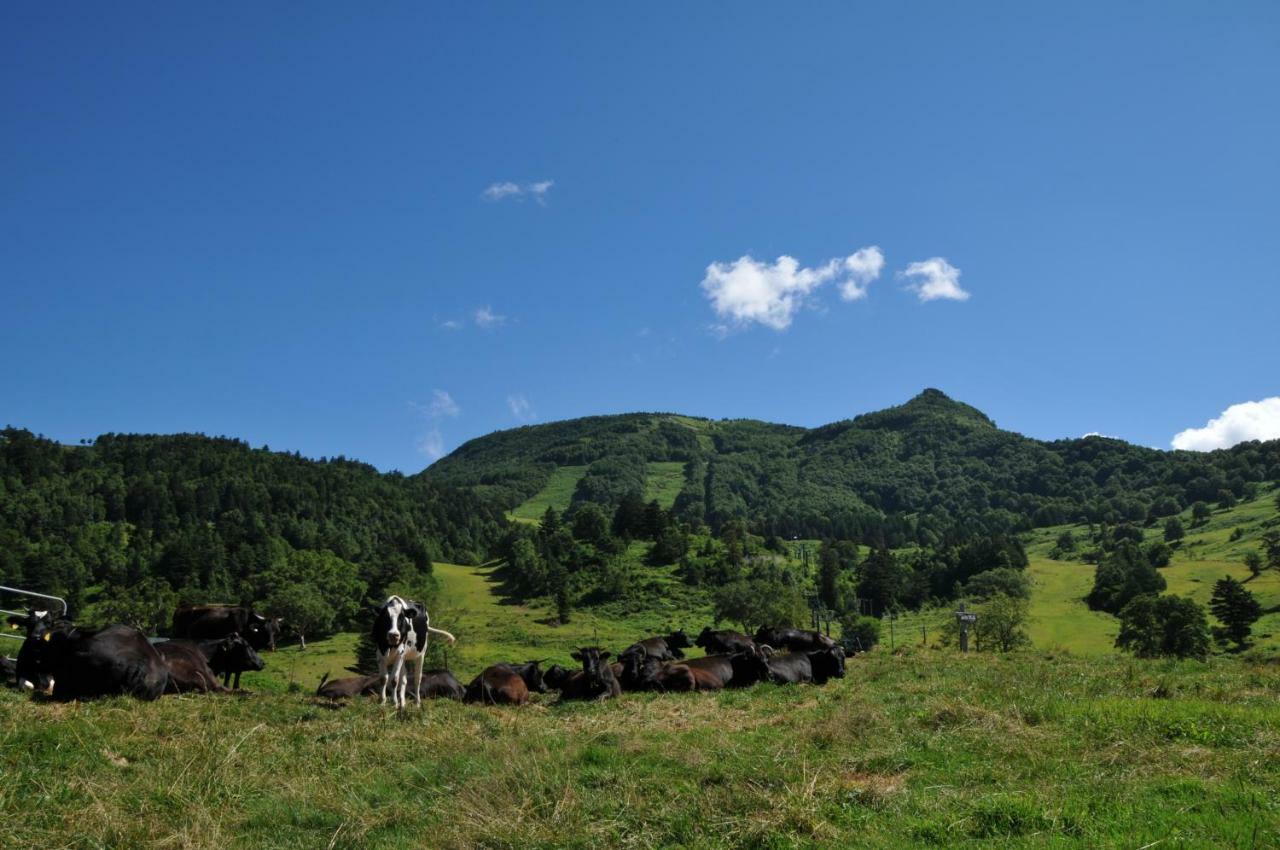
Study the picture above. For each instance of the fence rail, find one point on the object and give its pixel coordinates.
(28, 594)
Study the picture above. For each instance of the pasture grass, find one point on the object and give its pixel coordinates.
(664, 482)
(557, 493)
(919, 748)
(1060, 618)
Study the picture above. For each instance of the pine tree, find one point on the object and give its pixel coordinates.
(1236, 608)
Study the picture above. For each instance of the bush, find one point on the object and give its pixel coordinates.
(859, 634)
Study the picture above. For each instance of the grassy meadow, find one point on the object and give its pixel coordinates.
(1065, 745)
(916, 748)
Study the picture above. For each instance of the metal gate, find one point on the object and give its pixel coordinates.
(28, 594)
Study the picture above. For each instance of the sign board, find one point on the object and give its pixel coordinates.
(965, 617)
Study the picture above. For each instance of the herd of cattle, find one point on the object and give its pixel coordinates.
(402, 628)
(69, 662)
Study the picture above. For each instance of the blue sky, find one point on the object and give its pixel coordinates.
(382, 232)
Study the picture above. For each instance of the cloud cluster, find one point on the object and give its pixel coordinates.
(934, 279)
(518, 191)
(748, 291)
(482, 317)
(1250, 420)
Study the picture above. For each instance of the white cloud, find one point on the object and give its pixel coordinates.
(521, 408)
(933, 279)
(519, 191)
(747, 290)
(863, 266)
(1250, 420)
(442, 405)
(451, 325)
(485, 317)
(431, 444)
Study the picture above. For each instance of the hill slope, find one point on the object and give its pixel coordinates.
(911, 473)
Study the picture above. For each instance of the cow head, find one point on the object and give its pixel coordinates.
(393, 623)
(632, 660)
(827, 664)
(749, 667)
(236, 653)
(532, 675)
(678, 640)
(262, 632)
(705, 637)
(33, 660)
(556, 676)
(593, 658)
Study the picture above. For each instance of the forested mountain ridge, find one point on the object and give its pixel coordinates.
(133, 523)
(909, 474)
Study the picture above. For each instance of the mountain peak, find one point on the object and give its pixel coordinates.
(929, 403)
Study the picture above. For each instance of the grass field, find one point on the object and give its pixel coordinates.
(556, 494)
(922, 748)
(664, 482)
(1059, 617)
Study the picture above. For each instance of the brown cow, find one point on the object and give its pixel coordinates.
(188, 669)
(506, 684)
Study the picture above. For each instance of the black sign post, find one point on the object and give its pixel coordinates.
(965, 619)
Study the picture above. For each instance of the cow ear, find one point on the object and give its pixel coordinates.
(604, 655)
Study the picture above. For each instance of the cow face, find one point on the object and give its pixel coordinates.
(592, 658)
(532, 676)
(678, 640)
(749, 667)
(235, 653)
(262, 632)
(827, 664)
(705, 637)
(33, 659)
(556, 676)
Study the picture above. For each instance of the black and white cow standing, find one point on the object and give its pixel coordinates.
(400, 632)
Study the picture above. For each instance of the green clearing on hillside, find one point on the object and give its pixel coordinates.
(664, 482)
(557, 494)
(1060, 618)
(917, 749)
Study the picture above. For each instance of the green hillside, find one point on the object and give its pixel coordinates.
(910, 474)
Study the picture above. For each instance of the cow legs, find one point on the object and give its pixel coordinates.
(382, 671)
(417, 680)
(399, 677)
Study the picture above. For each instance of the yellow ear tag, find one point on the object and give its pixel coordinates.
(48, 635)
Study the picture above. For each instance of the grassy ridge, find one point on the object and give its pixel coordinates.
(922, 748)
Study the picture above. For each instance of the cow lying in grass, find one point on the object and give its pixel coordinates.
(506, 684)
(594, 681)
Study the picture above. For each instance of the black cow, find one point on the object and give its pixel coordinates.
(506, 684)
(597, 680)
(440, 684)
(796, 640)
(228, 656)
(87, 663)
(26, 674)
(827, 664)
(348, 687)
(188, 668)
(724, 642)
(205, 622)
(663, 648)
